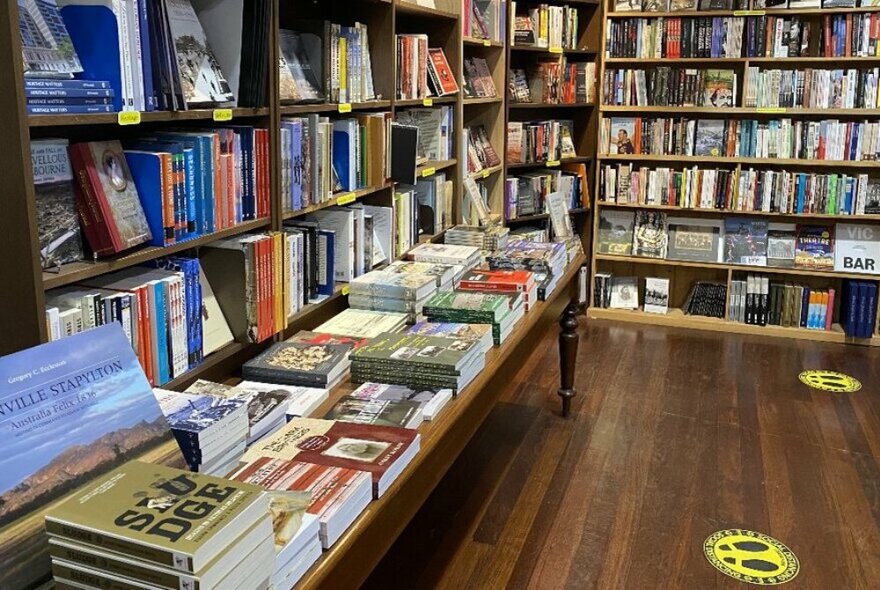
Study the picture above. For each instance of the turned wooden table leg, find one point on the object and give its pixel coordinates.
(568, 346)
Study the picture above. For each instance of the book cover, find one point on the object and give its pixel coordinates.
(263, 407)
(454, 302)
(303, 62)
(720, 87)
(745, 241)
(297, 363)
(624, 293)
(195, 412)
(301, 401)
(656, 295)
(402, 414)
(649, 235)
(622, 137)
(416, 352)
(458, 331)
(46, 48)
(709, 139)
(73, 409)
(691, 241)
(430, 401)
(616, 232)
(781, 247)
(814, 247)
(57, 221)
(441, 74)
(359, 323)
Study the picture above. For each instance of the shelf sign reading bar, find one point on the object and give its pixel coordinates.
(128, 118)
(222, 115)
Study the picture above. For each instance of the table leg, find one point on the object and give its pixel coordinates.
(568, 345)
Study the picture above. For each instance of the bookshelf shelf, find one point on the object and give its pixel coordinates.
(478, 100)
(543, 164)
(358, 194)
(741, 111)
(545, 105)
(79, 271)
(486, 173)
(771, 214)
(417, 102)
(151, 117)
(426, 169)
(410, 8)
(738, 160)
(539, 216)
(300, 109)
(710, 61)
(477, 42)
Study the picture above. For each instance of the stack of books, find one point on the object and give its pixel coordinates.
(533, 256)
(150, 526)
(300, 363)
(480, 333)
(481, 155)
(478, 82)
(301, 401)
(392, 291)
(382, 451)
(422, 70)
(211, 430)
(297, 536)
(466, 256)
(418, 361)
(502, 281)
(380, 412)
(360, 323)
(501, 311)
(266, 408)
(446, 274)
(337, 495)
(430, 401)
(491, 237)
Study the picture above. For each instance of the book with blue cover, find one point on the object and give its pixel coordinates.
(70, 411)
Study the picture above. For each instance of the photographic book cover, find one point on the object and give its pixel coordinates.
(70, 411)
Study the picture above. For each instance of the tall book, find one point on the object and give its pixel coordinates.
(57, 222)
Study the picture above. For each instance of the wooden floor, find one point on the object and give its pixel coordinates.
(675, 435)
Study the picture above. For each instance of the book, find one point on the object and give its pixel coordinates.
(301, 67)
(88, 395)
(46, 48)
(400, 413)
(624, 293)
(57, 222)
(745, 241)
(720, 87)
(690, 240)
(622, 138)
(814, 247)
(359, 323)
(382, 451)
(781, 246)
(430, 401)
(301, 401)
(649, 235)
(296, 363)
(442, 79)
(656, 295)
(709, 139)
(616, 232)
(266, 407)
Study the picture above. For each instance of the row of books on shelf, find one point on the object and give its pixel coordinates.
(419, 65)
(540, 141)
(670, 86)
(530, 193)
(842, 247)
(693, 5)
(675, 37)
(770, 191)
(850, 88)
(484, 19)
(160, 189)
(481, 155)
(434, 129)
(554, 81)
(151, 55)
(753, 299)
(545, 25)
(478, 82)
(790, 139)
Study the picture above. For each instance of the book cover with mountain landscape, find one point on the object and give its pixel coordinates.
(70, 411)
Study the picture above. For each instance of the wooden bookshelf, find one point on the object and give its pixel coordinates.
(683, 273)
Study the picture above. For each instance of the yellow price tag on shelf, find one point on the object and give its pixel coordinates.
(487, 43)
(555, 50)
(345, 107)
(485, 173)
(552, 163)
(128, 118)
(428, 102)
(770, 109)
(222, 115)
(346, 290)
(346, 198)
(749, 12)
(428, 171)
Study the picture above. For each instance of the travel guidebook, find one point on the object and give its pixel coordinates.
(70, 411)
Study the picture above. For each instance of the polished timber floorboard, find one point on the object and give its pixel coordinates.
(674, 435)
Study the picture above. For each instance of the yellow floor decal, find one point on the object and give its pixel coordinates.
(830, 381)
(751, 557)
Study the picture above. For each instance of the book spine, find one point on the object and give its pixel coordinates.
(69, 109)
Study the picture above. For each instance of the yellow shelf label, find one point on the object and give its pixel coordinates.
(345, 107)
(555, 50)
(129, 118)
(346, 290)
(485, 173)
(487, 43)
(428, 171)
(428, 102)
(770, 109)
(222, 115)
(346, 198)
(749, 12)
(552, 163)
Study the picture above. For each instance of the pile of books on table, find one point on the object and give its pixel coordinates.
(147, 526)
(361, 323)
(546, 259)
(418, 361)
(429, 401)
(502, 281)
(466, 256)
(301, 401)
(296, 362)
(401, 292)
(211, 430)
(480, 333)
(447, 275)
(266, 409)
(492, 237)
(501, 311)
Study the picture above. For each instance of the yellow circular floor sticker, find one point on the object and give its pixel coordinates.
(751, 557)
(830, 381)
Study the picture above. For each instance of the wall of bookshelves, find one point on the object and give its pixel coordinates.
(702, 123)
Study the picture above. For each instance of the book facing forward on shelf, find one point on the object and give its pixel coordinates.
(57, 223)
(656, 295)
(694, 239)
(616, 232)
(745, 241)
(650, 237)
(814, 247)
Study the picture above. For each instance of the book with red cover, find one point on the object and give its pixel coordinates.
(511, 281)
(441, 74)
(383, 451)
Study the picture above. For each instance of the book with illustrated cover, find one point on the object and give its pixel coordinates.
(467, 306)
(622, 137)
(444, 273)
(301, 401)
(627, 5)
(745, 241)
(481, 333)
(649, 235)
(383, 451)
(46, 48)
(57, 221)
(720, 86)
(200, 76)
(297, 363)
(308, 337)
(112, 511)
(690, 240)
(616, 232)
(416, 352)
(194, 415)
(86, 406)
(264, 408)
(301, 66)
(709, 138)
(677, 5)
(814, 247)
(431, 401)
(381, 412)
(656, 295)
(624, 293)
(361, 323)
(781, 246)
(442, 79)
(409, 286)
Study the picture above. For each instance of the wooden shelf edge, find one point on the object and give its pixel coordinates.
(437, 166)
(544, 105)
(740, 111)
(413, 9)
(482, 100)
(358, 194)
(487, 172)
(477, 42)
(711, 13)
(146, 117)
(543, 164)
(418, 102)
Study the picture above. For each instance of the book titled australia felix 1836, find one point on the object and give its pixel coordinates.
(160, 515)
(70, 411)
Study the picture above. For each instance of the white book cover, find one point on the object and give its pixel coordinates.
(340, 221)
(216, 333)
(624, 293)
(656, 295)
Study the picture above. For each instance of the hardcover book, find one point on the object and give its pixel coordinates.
(430, 401)
(264, 407)
(451, 304)
(616, 232)
(301, 401)
(814, 247)
(418, 353)
(656, 295)
(297, 363)
(46, 48)
(73, 409)
(403, 414)
(745, 241)
(624, 293)
(622, 138)
(301, 67)
(781, 247)
(57, 220)
(649, 235)
(359, 323)
(690, 241)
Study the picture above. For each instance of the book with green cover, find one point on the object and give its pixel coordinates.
(415, 352)
(468, 307)
(159, 514)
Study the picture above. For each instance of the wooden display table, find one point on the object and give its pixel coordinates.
(364, 544)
